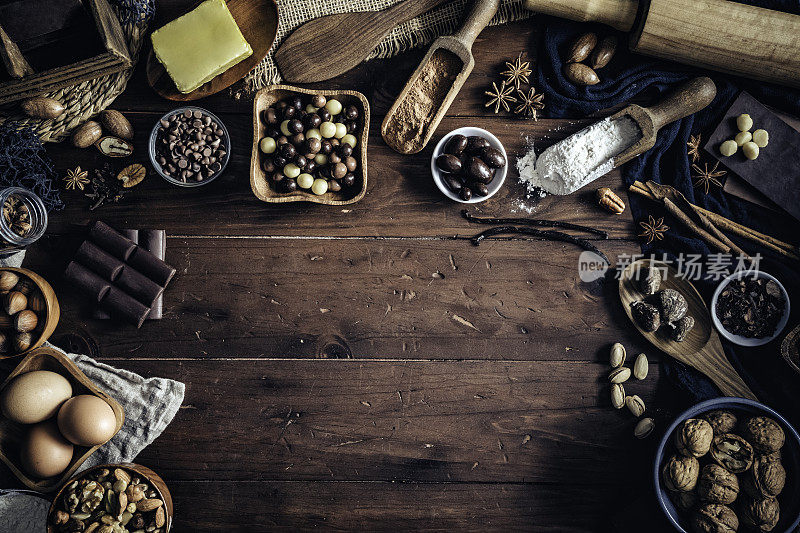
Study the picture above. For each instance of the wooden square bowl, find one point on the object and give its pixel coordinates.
(146, 475)
(12, 434)
(48, 319)
(258, 178)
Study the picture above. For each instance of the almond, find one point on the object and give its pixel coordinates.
(122, 475)
(160, 517)
(15, 302)
(148, 505)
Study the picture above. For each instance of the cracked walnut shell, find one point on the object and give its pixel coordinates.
(694, 437)
(764, 434)
(680, 473)
(717, 485)
(715, 518)
(732, 452)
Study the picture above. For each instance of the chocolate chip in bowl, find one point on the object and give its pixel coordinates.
(750, 308)
(309, 145)
(189, 147)
(116, 497)
(469, 165)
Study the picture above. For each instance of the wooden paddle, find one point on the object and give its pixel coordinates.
(325, 47)
(702, 348)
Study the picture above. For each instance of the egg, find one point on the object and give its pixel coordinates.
(34, 396)
(45, 452)
(87, 420)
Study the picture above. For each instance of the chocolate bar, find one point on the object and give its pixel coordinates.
(105, 265)
(139, 286)
(151, 266)
(112, 241)
(87, 281)
(119, 304)
(155, 242)
(133, 235)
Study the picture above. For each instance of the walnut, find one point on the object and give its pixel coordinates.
(672, 305)
(680, 473)
(766, 479)
(684, 501)
(762, 513)
(694, 437)
(59, 518)
(732, 452)
(721, 421)
(715, 518)
(717, 485)
(764, 434)
(646, 316)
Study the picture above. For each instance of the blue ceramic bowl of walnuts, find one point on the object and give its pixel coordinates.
(789, 455)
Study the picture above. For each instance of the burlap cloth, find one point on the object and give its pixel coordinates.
(420, 31)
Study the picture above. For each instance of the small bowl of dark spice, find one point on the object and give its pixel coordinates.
(189, 147)
(750, 308)
(469, 165)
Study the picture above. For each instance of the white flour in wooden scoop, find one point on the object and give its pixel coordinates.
(579, 159)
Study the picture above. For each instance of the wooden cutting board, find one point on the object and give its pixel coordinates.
(776, 171)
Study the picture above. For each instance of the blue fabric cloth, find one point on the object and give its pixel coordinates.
(629, 75)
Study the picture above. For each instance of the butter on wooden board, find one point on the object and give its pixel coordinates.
(200, 45)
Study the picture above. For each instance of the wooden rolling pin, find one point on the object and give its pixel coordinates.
(735, 38)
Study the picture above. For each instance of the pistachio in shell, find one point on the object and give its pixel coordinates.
(694, 437)
(761, 513)
(766, 478)
(42, 107)
(672, 305)
(717, 485)
(715, 518)
(680, 473)
(116, 124)
(722, 421)
(732, 452)
(764, 433)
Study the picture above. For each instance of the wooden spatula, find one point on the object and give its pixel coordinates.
(325, 47)
(688, 98)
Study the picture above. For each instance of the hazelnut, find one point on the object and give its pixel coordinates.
(25, 286)
(22, 342)
(717, 485)
(8, 280)
(715, 518)
(764, 434)
(732, 452)
(694, 437)
(762, 513)
(680, 473)
(25, 321)
(721, 421)
(15, 302)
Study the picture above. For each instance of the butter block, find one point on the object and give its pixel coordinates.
(200, 45)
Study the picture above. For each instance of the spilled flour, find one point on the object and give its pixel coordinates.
(579, 159)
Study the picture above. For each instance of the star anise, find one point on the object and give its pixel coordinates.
(653, 229)
(529, 103)
(705, 178)
(694, 148)
(517, 73)
(76, 179)
(500, 97)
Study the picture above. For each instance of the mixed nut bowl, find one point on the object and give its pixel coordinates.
(729, 464)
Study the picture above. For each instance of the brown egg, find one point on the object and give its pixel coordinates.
(45, 452)
(87, 420)
(34, 396)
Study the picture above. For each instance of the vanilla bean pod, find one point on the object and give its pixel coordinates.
(533, 222)
(544, 234)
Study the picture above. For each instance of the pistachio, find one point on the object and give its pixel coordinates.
(640, 367)
(617, 396)
(644, 428)
(635, 405)
(620, 375)
(120, 485)
(617, 355)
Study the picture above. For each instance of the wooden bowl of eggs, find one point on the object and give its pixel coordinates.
(52, 419)
(29, 311)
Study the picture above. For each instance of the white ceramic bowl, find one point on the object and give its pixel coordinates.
(499, 175)
(739, 339)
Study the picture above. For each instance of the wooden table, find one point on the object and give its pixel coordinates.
(368, 367)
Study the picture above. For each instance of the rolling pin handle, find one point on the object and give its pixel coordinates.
(619, 14)
(690, 97)
(480, 14)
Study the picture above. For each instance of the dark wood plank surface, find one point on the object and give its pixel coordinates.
(367, 367)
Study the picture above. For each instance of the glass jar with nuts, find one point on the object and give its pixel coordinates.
(24, 219)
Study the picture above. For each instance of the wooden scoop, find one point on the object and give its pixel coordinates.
(702, 348)
(689, 98)
(458, 50)
(305, 56)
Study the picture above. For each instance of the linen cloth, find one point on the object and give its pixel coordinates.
(443, 20)
(150, 404)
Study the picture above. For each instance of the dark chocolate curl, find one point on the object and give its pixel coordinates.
(87, 281)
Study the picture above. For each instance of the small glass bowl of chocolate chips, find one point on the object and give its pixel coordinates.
(189, 147)
(750, 308)
(469, 165)
(311, 144)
